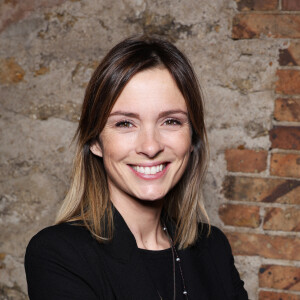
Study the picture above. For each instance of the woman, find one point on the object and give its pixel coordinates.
(133, 225)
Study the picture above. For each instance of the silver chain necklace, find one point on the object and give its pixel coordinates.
(177, 260)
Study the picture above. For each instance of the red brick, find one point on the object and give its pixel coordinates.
(291, 55)
(239, 215)
(266, 295)
(290, 5)
(267, 190)
(288, 82)
(277, 247)
(246, 5)
(247, 161)
(279, 277)
(287, 110)
(247, 26)
(286, 219)
(285, 137)
(285, 165)
(10, 71)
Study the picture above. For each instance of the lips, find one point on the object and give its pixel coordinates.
(151, 170)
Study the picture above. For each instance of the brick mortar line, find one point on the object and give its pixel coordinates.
(284, 151)
(285, 123)
(279, 5)
(282, 262)
(262, 214)
(284, 42)
(256, 175)
(277, 95)
(263, 37)
(287, 97)
(296, 293)
(263, 204)
(269, 12)
(292, 68)
(249, 230)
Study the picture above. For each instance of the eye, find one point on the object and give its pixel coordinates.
(124, 124)
(172, 122)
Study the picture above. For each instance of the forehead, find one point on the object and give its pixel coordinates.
(153, 88)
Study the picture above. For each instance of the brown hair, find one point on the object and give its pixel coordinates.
(88, 197)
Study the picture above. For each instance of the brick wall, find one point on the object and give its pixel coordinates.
(261, 214)
(48, 51)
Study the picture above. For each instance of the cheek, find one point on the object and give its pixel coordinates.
(111, 153)
(110, 143)
(115, 148)
(181, 143)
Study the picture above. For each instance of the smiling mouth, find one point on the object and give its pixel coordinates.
(149, 170)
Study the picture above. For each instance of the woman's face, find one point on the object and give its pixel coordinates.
(146, 142)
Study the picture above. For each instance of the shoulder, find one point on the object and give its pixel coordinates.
(63, 260)
(210, 232)
(67, 232)
(59, 239)
(66, 246)
(213, 238)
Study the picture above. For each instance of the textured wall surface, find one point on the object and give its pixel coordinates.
(247, 57)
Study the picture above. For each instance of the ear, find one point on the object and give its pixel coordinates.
(96, 149)
(192, 148)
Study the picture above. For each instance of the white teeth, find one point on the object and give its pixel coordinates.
(149, 170)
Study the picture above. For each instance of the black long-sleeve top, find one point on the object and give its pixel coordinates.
(64, 262)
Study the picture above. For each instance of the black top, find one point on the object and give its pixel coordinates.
(159, 264)
(64, 262)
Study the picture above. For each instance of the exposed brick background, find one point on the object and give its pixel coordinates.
(292, 5)
(279, 277)
(262, 211)
(288, 81)
(285, 165)
(291, 55)
(285, 137)
(287, 110)
(268, 190)
(247, 161)
(268, 246)
(266, 295)
(248, 26)
(239, 215)
(285, 219)
(244, 5)
(246, 54)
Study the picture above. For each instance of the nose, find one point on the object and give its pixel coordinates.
(149, 143)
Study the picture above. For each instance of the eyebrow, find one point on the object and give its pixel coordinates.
(162, 114)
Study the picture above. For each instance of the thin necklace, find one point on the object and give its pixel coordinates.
(175, 253)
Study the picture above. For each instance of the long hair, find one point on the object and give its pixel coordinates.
(88, 198)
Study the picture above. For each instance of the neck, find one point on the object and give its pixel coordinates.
(143, 219)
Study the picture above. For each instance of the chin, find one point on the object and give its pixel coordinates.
(151, 196)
